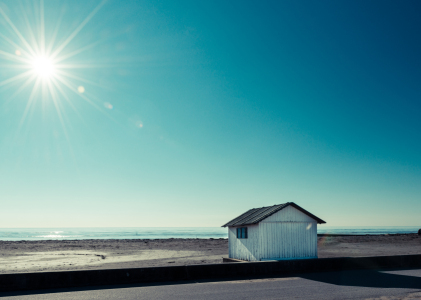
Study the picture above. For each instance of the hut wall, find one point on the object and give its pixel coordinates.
(288, 234)
(283, 240)
(245, 249)
(289, 214)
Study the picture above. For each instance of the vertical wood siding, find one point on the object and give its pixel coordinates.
(245, 249)
(288, 240)
(287, 234)
(290, 214)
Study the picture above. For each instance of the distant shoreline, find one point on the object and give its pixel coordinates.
(66, 255)
(190, 239)
(365, 234)
(158, 233)
(20, 234)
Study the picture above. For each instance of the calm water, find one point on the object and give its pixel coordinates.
(17, 234)
(367, 230)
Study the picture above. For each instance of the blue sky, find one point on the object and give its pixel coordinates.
(195, 111)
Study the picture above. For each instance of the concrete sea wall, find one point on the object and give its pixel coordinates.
(48, 280)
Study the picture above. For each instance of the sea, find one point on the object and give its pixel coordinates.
(19, 234)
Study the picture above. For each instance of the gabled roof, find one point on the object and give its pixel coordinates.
(255, 215)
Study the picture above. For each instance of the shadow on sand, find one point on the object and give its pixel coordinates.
(358, 278)
(366, 278)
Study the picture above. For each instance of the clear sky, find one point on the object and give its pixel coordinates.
(188, 113)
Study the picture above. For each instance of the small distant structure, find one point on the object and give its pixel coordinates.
(284, 231)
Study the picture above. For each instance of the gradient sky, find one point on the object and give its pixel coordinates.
(201, 110)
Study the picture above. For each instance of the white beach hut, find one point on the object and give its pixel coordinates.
(284, 231)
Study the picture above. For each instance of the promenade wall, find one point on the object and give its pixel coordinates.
(67, 279)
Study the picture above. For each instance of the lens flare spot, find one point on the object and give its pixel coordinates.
(81, 89)
(108, 105)
(43, 66)
(140, 125)
(308, 226)
(18, 53)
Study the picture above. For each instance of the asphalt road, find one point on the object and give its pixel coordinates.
(384, 285)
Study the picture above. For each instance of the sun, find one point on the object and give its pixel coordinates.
(43, 67)
(41, 61)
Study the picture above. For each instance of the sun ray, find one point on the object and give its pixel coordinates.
(17, 31)
(14, 44)
(14, 78)
(54, 36)
(58, 87)
(30, 100)
(12, 57)
(61, 118)
(67, 74)
(24, 85)
(13, 66)
(82, 66)
(52, 91)
(66, 83)
(43, 95)
(37, 31)
(42, 30)
(76, 31)
(71, 54)
(29, 29)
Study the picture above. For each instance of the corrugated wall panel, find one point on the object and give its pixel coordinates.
(245, 249)
(288, 240)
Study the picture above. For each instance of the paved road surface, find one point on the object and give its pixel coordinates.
(385, 285)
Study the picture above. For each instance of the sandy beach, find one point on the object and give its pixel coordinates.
(42, 256)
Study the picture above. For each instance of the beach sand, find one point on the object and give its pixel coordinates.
(42, 256)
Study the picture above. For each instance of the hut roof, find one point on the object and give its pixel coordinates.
(255, 215)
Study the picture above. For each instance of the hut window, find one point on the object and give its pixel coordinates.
(242, 233)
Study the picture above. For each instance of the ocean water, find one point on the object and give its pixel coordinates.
(18, 234)
(361, 230)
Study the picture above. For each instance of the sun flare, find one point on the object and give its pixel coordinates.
(41, 63)
(43, 67)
